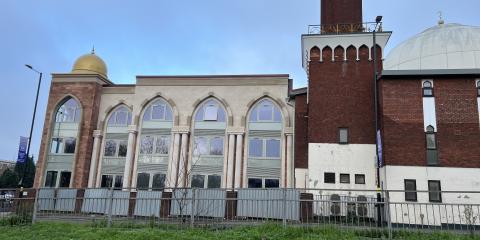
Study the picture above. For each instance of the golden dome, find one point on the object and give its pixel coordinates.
(90, 63)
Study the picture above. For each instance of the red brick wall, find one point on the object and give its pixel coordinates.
(301, 131)
(341, 11)
(458, 132)
(341, 95)
(88, 94)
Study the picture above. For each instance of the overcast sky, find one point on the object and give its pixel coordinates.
(171, 37)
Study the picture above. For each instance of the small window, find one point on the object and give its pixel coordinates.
(431, 146)
(410, 190)
(122, 148)
(118, 182)
(359, 178)
(163, 144)
(158, 112)
(272, 183)
(478, 88)
(143, 181)
(146, 145)
(255, 147)
(265, 111)
(70, 144)
(343, 135)
(254, 183)
(200, 147)
(434, 191)
(216, 146)
(214, 181)
(120, 117)
(110, 148)
(329, 177)
(344, 178)
(158, 181)
(107, 181)
(65, 179)
(211, 113)
(57, 146)
(51, 179)
(273, 148)
(431, 138)
(198, 181)
(427, 89)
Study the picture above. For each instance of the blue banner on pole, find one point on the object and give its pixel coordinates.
(380, 154)
(22, 150)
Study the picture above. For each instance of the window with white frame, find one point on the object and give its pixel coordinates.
(208, 145)
(265, 111)
(264, 148)
(61, 145)
(115, 148)
(263, 183)
(210, 111)
(158, 145)
(120, 117)
(68, 112)
(206, 181)
(110, 180)
(155, 181)
(478, 88)
(159, 110)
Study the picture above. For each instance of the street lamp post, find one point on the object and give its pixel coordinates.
(31, 127)
(378, 21)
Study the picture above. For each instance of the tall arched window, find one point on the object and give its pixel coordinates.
(264, 145)
(478, 88)
(431, 146)
(63, 144)
(115, 147)
(155, 141)
(208, 145)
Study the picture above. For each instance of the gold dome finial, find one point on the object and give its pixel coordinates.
(90, 64)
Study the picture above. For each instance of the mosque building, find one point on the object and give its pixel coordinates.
(413, 126)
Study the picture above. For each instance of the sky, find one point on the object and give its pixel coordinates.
(171, 37)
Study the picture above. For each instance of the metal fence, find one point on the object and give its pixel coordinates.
(380, 212)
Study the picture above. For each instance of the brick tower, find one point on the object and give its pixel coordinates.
(338, 58)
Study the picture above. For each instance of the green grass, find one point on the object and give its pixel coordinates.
(81, 231)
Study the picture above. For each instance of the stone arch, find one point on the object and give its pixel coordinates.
(278, 102)
(379, 52)
(222, 101)
(148, 101)
(315, 54)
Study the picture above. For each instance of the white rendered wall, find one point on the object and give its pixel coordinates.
(451, 210)
(349, 158)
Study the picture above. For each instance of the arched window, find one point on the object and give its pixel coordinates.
(159, 110)
(431, 146)
(427, 89)
(265, 111)
(68, 112)
(210, 111)
(264, 145)
(120, 117)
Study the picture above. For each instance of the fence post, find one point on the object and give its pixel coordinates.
(388, 214)
(34, 214)
(110, 208)
(192, 213)
(284, 207)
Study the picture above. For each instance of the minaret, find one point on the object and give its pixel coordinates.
(338, 59)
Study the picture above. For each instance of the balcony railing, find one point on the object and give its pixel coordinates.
(342, 28)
